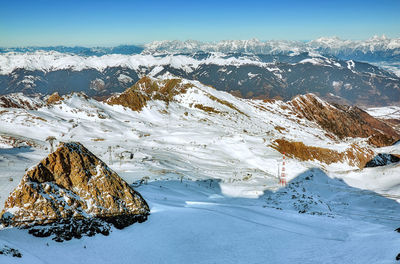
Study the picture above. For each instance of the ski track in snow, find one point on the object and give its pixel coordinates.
(233, 230)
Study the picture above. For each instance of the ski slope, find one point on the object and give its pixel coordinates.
(193, 222)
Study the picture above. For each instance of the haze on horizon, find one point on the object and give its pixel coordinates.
(110, 23)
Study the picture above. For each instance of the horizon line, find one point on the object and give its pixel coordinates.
(142, 44)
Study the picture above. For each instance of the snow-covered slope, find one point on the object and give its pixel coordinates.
(55, 59)
(52, 61)
(388, 112)
(195, 133)
(194, 222)
(212, 165)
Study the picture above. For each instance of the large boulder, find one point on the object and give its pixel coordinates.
(70, 193)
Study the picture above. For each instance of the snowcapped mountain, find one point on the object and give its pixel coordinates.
(379, 50)
(374, 44)
(373, 49)
(209, 155)
(246, 75)
(246, 68)
(254, 46)
(77, 50)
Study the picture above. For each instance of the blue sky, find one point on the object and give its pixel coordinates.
(108, 23)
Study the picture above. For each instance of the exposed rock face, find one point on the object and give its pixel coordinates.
(74, 189)
(147, 89)
(382, 159)
(344, 121)
(354, 156)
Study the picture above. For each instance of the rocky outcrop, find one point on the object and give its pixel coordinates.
(147, 89)
(54, 98)
(9, 251)
(382, 159)
(70, 193)
(354, 156)
(18, 100)
(344, 121)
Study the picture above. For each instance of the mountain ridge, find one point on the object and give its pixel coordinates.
(327, 45)
(170, 96)
(251, 76)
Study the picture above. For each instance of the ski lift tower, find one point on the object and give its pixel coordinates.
(282, 177)
(109, 150)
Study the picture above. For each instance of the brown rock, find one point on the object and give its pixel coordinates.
(54, 98)
(18, 100)
(73, 184)
(354, 156)
(147, 89)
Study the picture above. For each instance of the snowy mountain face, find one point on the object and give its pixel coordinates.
(77, 50)
(245, 75)
(253, 46)
(374, 49)
(389, 114)
(381, 51)
(211, 161)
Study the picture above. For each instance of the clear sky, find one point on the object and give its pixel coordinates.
(109, 23)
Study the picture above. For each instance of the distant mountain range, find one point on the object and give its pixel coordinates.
(78, 50)
(373, 49)
(328, 67)
(245, 75)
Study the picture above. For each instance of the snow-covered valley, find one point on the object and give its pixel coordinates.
(211, 164)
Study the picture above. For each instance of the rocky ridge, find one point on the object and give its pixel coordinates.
(147, 89)
(18, 100)
(344, 121)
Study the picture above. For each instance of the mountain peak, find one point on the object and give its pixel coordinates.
(147, 89)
